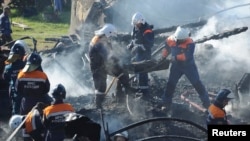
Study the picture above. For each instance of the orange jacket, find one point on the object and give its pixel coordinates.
(54, 115)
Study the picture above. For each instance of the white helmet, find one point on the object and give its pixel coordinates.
(24, 44)
(123, 134)
(137, 18)
(15, 121)
(181, 33)
(108, 30)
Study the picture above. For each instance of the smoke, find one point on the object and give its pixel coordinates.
(231, 56)
(69, 70)
(226, 61)
(228, 55)
(162, 13)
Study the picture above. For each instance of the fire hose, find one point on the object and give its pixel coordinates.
(192, 103)
(158, 119)
(169, 136)
(218, 36)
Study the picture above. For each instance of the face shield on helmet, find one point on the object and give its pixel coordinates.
(17, 51)
(59, 92)
(108, 30)
(15, 121)
(137, 18)
(34, 60)
(124, 134)
(181, 33)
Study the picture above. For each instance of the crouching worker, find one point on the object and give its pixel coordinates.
(216, 112)
(80, 127)
(32, 128)
(53, 118)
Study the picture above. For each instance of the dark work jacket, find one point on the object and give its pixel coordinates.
(33, 125)
(143, 36)
(216, 115)
(32, 84)
(182, 53)
(54, 115)
(54, 120)
(5, 25)
(11, 71)
(98, 54)
(33, 87)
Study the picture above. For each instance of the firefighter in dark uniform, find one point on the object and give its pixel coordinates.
(14, 64)
(140, 47)
(104, 62)
(5, 26)
(216, 112)
(54, 119)
(32, 84)
(33, 128)
(182, 48)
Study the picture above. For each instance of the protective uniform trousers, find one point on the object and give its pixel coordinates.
(191, 72)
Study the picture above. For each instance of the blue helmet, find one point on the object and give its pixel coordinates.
(223, 94)
(16, 51)
(34, 61)
(59, 92)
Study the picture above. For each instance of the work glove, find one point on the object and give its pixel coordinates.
(130, 46)
(138, 48)
(164, 53)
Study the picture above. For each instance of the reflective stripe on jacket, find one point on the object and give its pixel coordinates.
(32, 84)
(33, 121)
(54, 115)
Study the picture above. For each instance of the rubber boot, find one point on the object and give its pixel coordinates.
(99, 98)
(120, 96)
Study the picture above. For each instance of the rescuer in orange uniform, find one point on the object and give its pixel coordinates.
(54, 119)
(216, 111)
(182, 48)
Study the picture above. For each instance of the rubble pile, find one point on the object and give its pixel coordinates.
(67, 62)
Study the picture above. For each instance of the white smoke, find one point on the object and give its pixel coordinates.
(230, 59)
(66, 70)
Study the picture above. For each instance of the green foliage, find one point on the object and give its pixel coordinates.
(40, 28)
